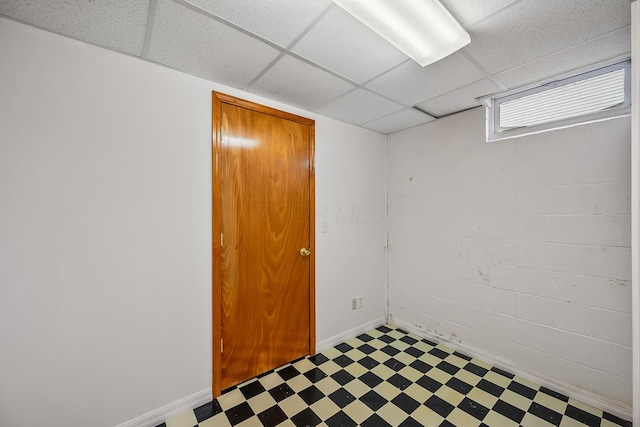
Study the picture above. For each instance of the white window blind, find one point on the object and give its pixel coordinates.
(574, 99)
(598, 92)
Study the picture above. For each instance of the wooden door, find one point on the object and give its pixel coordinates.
(263, 231)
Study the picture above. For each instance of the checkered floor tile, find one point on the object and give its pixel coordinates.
(388, 377)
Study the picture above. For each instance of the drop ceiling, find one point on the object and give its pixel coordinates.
(313, 55)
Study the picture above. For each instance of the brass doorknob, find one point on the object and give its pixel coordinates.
(305, 252)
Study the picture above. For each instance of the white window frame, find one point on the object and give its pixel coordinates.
(493, 102)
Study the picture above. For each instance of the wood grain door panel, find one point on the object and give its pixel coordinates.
(265, 180)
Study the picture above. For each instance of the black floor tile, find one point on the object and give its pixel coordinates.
(340, 420)
(503, 373)
(459, 386)
(315, 375)
(344, 347)
(473, 408)
(319, 359)
(252, 389)
(306, 418)
(462, 356)
(509, 411)
(366, 349)
(343, 360)
(475, 369)
(272, 416)
(368, 362)
(370, 379)
(554, 394)
(545, 413)
(394, 364)
(391, 351)
(429, 383)
(420, 366)
(387, 339)
(365, 337)
(522, 390)
(341, 397)
(288, 373)
(409, 340)
(342, 377)
(490, 388)
(406, 403)
(310, 395)
(239, 413)
(438, 353)
(373, 400)
(410, 422)
(607, 416)
(281, 392)
(399, 381)
(582, 416)
(375, 421)
(439, 406)
(414, 352)
(447, 367)
(207, 411)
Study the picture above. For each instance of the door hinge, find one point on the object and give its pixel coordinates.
(221, 239)
(220, 133)
(221, 345)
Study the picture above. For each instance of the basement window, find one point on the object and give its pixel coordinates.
(599, 92)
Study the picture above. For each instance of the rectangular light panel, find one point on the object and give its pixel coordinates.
(423, 29)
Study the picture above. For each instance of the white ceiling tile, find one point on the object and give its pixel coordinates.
(202, 46)
(298, 83)
(532, 29)
(280, 21)
(459, 99)
(359, 106)
(117, 25)
(410, 83)
(467, 12)
(346, 46)
(598, 49)
(518, 41)
(404, 119)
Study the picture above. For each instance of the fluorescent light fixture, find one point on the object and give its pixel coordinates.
(422, 29)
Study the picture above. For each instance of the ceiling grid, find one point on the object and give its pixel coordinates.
(313, 55)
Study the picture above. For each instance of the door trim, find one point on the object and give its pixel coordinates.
(217, 100)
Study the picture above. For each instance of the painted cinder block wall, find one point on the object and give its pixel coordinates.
(518, 249)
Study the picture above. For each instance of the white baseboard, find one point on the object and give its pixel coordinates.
(560, 387)
(160, 415)
(343, 336)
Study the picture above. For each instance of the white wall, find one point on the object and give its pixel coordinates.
(105, 235)
(635, 203)
(518, 250)
(351, 198)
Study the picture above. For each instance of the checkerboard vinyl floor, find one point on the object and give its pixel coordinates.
(388, 377)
